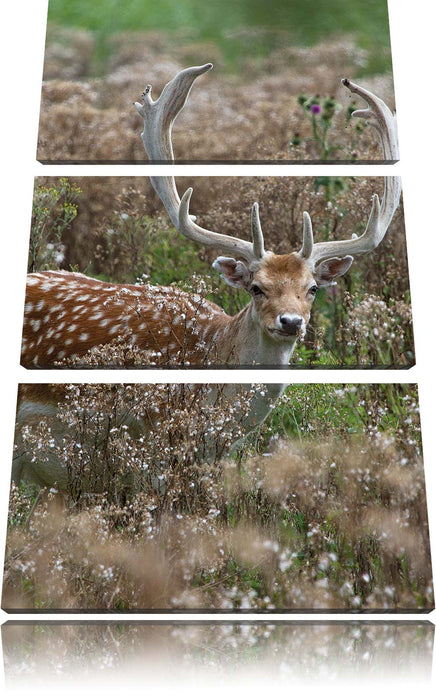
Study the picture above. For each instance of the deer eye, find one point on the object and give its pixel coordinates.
(313, 290)
(256, 291)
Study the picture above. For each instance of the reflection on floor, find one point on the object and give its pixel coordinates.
(265, 652)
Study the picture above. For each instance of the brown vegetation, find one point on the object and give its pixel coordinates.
(251, 116)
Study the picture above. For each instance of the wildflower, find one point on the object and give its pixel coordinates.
(315, 108)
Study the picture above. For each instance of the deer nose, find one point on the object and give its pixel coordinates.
(290, 324)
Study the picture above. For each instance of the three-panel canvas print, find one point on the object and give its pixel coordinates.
(274, 495)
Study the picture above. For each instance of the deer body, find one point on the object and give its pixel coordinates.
(68, 314)
(44, 420)
(35, 403)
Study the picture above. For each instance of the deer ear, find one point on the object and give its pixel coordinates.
(327, 271)
(234, 272)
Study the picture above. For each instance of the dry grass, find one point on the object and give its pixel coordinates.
(228, 117)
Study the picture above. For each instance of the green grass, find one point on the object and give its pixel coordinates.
(302, 22)
(311, 410)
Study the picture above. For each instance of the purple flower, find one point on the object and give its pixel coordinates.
(315, 109)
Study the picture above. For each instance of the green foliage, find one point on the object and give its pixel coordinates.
(310, 410)
(323, 113)
(247, 27)
(24, 496)
(53, 211)
(139, 247)
(332, 186)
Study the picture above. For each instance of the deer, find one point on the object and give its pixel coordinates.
(68, 314)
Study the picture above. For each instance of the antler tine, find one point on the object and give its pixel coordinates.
(159, 115)
(256, 233)
(379, 116)
(307, 247)
(158, 119)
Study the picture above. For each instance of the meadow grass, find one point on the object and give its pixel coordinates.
(248, 26)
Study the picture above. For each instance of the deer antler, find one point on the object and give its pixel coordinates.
(158, 118)
(381, 118)
(159, 115)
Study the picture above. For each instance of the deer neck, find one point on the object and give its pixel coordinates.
(252, 346)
